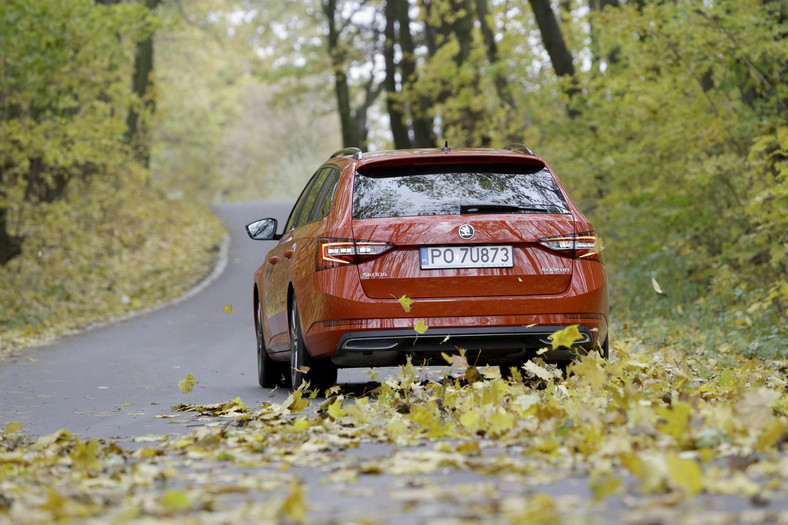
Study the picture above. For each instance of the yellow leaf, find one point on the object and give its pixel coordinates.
(147, 453)
(186, 384)
(566, 337)
(396, 427)
(335, 409)
(334, 390)
(685, 473)
(526, 401)
(471, 420)
(13, 427)
(500, 422)
(589, 372)
(771, 435)
(294, 401)
(228, 309)
(294, 505)
(405, 301)
(676, 418)
(655, 284)
(85, 457)
(300, 424)
(420, 327)
(604, 484)
(176, 500)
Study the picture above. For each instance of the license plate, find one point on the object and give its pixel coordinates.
(438, 257)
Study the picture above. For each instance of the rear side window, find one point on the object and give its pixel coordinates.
(445, 190)
(327, 196)
(310, 196)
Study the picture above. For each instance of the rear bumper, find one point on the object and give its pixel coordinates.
(335, 310)
(483, 345)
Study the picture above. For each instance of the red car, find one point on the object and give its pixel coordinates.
(403, 253)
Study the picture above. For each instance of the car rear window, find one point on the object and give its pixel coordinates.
(443, 190)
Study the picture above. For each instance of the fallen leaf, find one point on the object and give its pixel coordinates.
(176, 500)
(685, 473)
(13, 427)
(294, 505)
(186, 384)
(537, 371)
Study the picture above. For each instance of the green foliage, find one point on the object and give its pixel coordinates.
(65, 72)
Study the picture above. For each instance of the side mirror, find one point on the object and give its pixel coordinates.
(263, 230)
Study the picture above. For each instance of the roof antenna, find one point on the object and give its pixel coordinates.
(446, 147)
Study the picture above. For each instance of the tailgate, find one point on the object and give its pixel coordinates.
(532, 270)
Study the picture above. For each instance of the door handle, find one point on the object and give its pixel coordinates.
(273, 260)
(288, 253)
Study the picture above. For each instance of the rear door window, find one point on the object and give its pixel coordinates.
(451, 190)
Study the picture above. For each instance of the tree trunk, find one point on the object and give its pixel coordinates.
(501, 84)
(352, 121)
(447, 20)
(421, 119)
(552, 38)
(555, 45)
(341, 88)
(393, 101)
(598, 6)
(136, 134)
(10, 245)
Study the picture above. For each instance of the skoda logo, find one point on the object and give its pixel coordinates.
(466, 231)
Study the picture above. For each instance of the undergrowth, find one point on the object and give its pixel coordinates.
(100, 255)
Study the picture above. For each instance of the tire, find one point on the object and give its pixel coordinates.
(321, 374)
(605, 349)
(267, 370)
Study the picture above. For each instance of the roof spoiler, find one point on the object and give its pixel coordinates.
(352, 152)
(519, 148)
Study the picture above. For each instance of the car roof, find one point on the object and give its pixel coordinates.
(405, 157)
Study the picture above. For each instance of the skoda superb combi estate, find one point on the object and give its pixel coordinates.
(415, 253)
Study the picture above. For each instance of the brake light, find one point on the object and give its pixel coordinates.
(332, 253)
(576, 245)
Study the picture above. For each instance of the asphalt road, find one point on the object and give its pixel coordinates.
(112, 381)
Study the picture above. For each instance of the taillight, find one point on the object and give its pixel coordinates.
(339, 252)
(576, 245)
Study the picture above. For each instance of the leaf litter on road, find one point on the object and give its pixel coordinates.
(653, 431)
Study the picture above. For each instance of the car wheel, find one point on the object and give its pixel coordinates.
(266, 368)
(320, 374)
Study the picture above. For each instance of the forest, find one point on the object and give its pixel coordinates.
(667, 120)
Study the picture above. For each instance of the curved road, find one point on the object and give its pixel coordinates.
(114, 380)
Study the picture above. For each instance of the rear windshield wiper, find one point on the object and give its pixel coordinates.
(497, 208)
